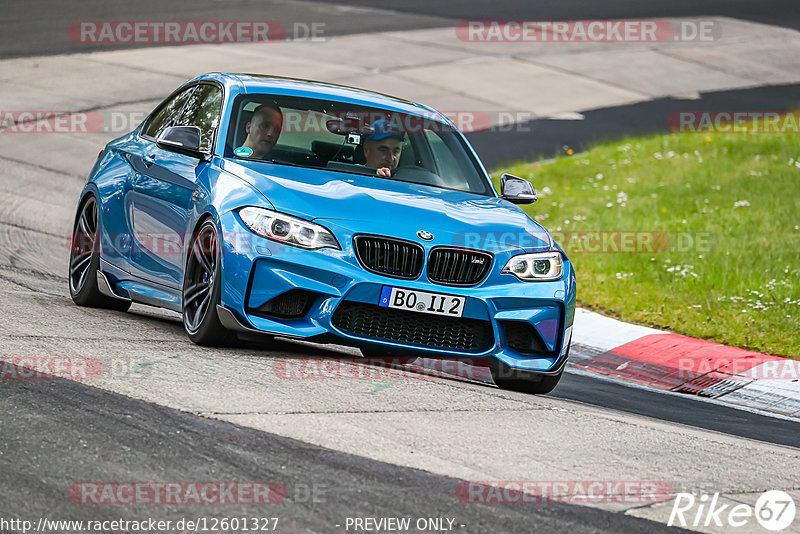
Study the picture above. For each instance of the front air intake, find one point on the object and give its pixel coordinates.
(458, 267)
(390, 257)
(369, 321)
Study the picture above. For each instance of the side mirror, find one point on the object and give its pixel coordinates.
(183, 140)
(517, 190)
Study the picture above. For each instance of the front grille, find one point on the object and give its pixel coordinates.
(292, 304)
(412, 328)
(523, 338)
(458, 267)
(391, 257)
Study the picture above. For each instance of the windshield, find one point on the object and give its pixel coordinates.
(343, 137)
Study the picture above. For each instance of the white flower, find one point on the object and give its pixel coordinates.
(741, 203)
(682, 270)
(599, 176)
(610, 205)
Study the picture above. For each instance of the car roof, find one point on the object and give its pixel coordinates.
(280, 85)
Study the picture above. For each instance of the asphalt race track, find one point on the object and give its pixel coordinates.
(99, 433)
(36, 27)
(392, 444)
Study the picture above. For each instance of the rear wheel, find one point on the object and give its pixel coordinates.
(201, 289)
(84, 261)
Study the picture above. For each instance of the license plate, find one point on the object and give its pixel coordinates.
(422, 301)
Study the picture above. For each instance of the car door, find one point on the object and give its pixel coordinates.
(165, 186)
(133, 152)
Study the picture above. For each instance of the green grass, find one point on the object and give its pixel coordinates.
(715, 270)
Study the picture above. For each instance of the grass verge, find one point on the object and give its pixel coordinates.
(694, 233)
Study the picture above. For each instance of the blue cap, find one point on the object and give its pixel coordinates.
(381, 129)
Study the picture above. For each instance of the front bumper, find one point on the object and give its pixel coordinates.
(527, 325)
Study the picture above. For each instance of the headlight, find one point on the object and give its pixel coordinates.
(286, 229)
(535, 267)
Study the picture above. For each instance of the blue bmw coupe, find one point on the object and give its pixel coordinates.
(267, 205)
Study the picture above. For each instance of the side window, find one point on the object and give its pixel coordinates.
(164, 117)
(202, 109)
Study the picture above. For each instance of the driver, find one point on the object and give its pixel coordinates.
(382, 148)
(263, 129)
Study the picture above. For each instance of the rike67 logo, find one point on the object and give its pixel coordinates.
(774, 510)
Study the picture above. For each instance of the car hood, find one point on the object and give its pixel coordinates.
(369, 204)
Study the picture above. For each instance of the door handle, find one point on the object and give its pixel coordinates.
(148, 160)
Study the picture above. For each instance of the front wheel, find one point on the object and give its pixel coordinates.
(202, 287)
(84, 261)
(524, 381)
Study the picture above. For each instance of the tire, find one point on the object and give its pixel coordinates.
(523, 381)
(201, 289)
(84, 261)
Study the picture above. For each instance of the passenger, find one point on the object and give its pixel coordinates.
(382, 148)
(263, 129)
